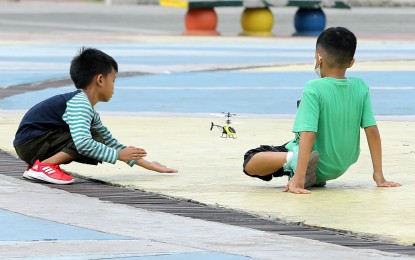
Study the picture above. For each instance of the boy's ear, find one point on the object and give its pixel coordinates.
(318, 58)
(351, 63)
(99, 79)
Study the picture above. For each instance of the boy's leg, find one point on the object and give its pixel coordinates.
(47, 148)
(310, 176)
(70, 149)
(44, 154)
(59, 158)
(60, 150)
(43, 147)
(265, 163)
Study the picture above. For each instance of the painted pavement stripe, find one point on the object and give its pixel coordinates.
(241, 92)
(18, 227)
(78, 27)
(249, 101)
(188, 256)
(20, 62)
(243, 88)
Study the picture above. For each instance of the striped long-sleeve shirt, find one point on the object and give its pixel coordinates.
(72, 110)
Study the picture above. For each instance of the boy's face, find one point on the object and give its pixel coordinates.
(107, 89)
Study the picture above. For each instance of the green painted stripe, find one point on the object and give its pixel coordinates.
(341, 4)
(305, 4)
(297, 3)
(316, 4)
(209, 4)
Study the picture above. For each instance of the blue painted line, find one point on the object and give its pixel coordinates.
(258, 78)
(188, 256)
(43, 59)
(240, 92)
(215, 57)
(385, 78)
(206, 91)
(204, 98)
(18, 227)
(175, 54)
(304, 50)
(14, 79)
(222, 79)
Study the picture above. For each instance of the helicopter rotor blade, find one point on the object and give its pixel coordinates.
(218, 115)
(228, 114)
(223, 114)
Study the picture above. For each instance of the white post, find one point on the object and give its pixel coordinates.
(108, 2)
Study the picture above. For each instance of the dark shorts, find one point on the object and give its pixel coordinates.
(265, 148)
(53, 142)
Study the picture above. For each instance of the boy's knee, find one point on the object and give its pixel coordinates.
(247, 169)
(97, 136)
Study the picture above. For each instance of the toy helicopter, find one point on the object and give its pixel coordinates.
(227, 131)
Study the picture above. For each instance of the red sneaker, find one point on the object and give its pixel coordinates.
(49, 173)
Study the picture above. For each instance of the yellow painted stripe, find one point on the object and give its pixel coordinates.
(358, 66)
(174, 3)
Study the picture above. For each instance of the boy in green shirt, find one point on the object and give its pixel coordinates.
(327, 124)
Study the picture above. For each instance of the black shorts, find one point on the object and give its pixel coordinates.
(54, 141)
(265, 148)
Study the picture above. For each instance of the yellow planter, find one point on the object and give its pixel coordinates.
(257, 21)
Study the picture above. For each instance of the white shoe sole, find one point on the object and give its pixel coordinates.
(26, 176)
(41, 176)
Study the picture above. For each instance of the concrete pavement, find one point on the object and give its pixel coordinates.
(109, 231)
(46, 19)
(210, 173)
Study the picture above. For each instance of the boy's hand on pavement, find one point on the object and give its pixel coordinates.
(131, 153)
(157, 167)
(381, 182)
(295, 187)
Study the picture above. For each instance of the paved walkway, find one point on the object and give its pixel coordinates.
(168, 113)
(78, 227)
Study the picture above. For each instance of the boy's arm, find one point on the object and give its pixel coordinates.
(154, 166)
(127, 154)
(375, 147)
(130, 154)
(296, 184)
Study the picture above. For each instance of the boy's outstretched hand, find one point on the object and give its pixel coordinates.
(157, 167)
(130, 153)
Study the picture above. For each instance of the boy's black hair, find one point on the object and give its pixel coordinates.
(339, 43)
(88, 63)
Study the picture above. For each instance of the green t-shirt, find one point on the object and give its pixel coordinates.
(335, 109)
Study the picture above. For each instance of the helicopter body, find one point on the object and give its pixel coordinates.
(227, 130)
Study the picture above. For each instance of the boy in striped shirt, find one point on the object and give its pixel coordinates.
(66, 127)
